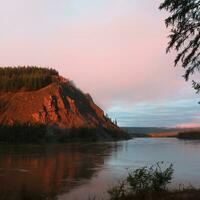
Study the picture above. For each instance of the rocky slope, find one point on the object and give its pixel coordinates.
(59, 105)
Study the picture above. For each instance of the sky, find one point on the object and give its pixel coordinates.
(112, 49)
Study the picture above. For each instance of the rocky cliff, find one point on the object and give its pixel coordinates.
(60, 105)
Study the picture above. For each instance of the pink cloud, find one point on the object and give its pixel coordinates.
(188, 125)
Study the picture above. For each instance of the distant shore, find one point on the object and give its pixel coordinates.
(165, 134)
(190, 135)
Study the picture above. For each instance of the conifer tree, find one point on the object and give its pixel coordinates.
(184, 22)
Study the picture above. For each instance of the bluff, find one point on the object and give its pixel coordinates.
(59, 105)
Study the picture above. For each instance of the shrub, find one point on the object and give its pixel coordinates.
(143, 182)
(150, 179)
(118, 192)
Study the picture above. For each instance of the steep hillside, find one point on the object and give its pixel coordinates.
(59, 105)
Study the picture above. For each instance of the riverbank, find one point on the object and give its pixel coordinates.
(40, 134)
(151, 183)
(163, 132)
(187, 135)
(190, 135)
(185, 194)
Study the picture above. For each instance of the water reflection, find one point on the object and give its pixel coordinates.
(76, 171)
(43, 172)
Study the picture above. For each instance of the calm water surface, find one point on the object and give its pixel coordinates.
(77, 171)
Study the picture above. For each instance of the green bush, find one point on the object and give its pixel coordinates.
(150, 179)
(143, 182)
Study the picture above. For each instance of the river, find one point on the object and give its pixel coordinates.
(78, 171)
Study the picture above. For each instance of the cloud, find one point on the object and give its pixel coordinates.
(189, 125)
(172, 113)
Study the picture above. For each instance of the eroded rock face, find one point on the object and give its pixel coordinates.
(60, 104)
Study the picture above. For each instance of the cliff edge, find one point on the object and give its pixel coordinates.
(59, 105)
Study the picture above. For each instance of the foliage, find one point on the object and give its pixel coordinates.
(184, 21)
(41, 133)
(26, 133)
(192, 135)
(150, 183)
(150, 179)
(26, 78)
(23, 133)
(143, 181)
(77, 134)
(119, 192)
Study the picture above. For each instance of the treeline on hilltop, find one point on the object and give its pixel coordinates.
(26, 78)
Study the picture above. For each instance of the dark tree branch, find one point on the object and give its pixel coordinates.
(184, 21)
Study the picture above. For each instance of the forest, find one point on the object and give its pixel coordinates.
(25, 78)
(41, 133)
(23, 133)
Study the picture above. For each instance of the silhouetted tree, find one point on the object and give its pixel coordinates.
(184, 21)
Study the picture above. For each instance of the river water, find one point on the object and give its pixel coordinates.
(78, 171)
